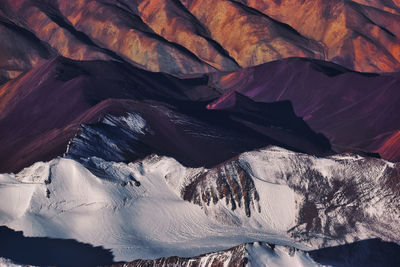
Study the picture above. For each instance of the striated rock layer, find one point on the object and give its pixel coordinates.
(361, 35)
(200, 36)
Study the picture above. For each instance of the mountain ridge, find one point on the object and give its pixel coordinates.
(178, 38)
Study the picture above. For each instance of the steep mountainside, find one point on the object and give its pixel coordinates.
(340, 104)
(191, 37)
(361, 35)
(46, 105)
(61, 94)
(355, 111)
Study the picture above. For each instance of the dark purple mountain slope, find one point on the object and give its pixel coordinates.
(198, 138)
(276, 120)
(146, 127)
(43, 110)
(355, 111)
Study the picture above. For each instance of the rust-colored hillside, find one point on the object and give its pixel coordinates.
(200, 36)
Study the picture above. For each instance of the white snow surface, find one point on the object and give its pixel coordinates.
(148, 221)
(132, 121)
(261, 254)
(63, 199)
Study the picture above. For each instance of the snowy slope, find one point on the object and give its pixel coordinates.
(144, 221)
(138, 210)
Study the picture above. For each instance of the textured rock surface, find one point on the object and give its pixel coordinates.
(249, 37)
(357, 36)
(233, 257)
(342, 197)
(251, 255)
(229, 182)
(175, 23)
(201, 36)
(20, 50)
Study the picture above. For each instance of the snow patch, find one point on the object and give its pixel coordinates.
(261, 254)
(132, 121)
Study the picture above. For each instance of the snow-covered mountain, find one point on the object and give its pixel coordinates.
(152, 173)
(251, 255)
(199, 132)
(156, 207)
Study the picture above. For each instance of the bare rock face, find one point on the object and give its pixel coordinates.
(392, 6)
(251, 254)
(361, 35)
(119, 29)
(62, 94)
(338, 199)
(229, 182)
(358, 197)
(233, 257)
(87, 30)
(174, 22)
(20, 50)
(251, 38)
(47, 23)
(334, 208)
(202, 36)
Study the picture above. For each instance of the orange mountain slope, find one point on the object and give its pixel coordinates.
(190, 37)
(362, 35)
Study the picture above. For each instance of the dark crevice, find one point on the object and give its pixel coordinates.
(357, 7)
(204, 32)
(259, 13)
(147, 30)
(378, 44)
(45, 50)
(285, 26)
(56, 16)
